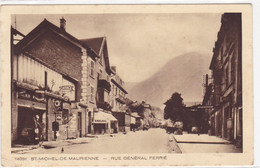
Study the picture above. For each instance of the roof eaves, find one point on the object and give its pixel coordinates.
(45, 23)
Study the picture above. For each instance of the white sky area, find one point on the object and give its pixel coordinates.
(138, 44)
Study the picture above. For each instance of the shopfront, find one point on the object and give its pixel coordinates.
(39, 91)
(100, 123)
(27, 112)
(104, 123)
(112, 123)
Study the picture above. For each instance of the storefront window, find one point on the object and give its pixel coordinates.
(92, 69)
(92, 94)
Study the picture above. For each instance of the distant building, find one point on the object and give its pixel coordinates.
(136, 121)
(147, 118)
(225, 91)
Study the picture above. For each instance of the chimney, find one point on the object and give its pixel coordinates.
(63, 24)
(113, 68)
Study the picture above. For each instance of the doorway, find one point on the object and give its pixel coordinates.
(89, 122)
(80, 124)
(26, 124)
(226, 116)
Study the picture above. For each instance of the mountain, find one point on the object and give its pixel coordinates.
(183, 74)
(130, 85)
(157, 112)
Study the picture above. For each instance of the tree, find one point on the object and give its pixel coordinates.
(174, 108)
(136, 107)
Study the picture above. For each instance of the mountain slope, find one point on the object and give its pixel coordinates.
(183, 74)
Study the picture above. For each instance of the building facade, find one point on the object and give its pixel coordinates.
(99, 80)
(225, 91)
(118, 95)
(51, 63)
(63, 80)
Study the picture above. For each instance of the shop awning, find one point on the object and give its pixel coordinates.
(99, 118)
(135, 115)
(102, 117)
(110, 117)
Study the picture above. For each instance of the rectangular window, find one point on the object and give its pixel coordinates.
(106, 98)
(92, 68)
(226, 76)
(233, 68)
(113, 88)
(100, 74)
(92, 93)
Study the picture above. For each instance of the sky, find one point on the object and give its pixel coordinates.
(138, 44)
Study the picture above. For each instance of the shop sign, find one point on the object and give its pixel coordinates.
(100, 121)
(55, 126)
(68, 91)
(23, 94)
(205, 107)
(58, 105)
(39, 95)
(59, 116)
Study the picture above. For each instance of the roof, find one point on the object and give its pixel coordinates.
(99, 44)
(16, 32)
(94, 43)
(43, 27)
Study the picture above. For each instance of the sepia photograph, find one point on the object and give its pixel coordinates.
(128, 86)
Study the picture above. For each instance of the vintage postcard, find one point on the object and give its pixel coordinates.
(126, 85)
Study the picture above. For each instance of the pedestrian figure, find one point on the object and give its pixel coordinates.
(62, 150)
(37, 129)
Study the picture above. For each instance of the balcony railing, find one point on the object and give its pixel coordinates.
(104, 105)
(121, 99)
(103, 83)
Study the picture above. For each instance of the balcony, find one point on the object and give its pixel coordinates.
(103, 83)
(104, 105)
(121, 99)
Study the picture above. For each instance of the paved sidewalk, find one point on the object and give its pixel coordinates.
(202, 138)
(55, 144)
(203, 143)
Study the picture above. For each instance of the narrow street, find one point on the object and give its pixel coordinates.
(152, 141)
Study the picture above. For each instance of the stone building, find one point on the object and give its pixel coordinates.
(52, 64)
(118, 95)
(100, 87)
(61, 79)
(225, 91)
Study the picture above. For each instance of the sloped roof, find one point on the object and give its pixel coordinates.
(94, 43)
(98, 44)
(44, 26)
